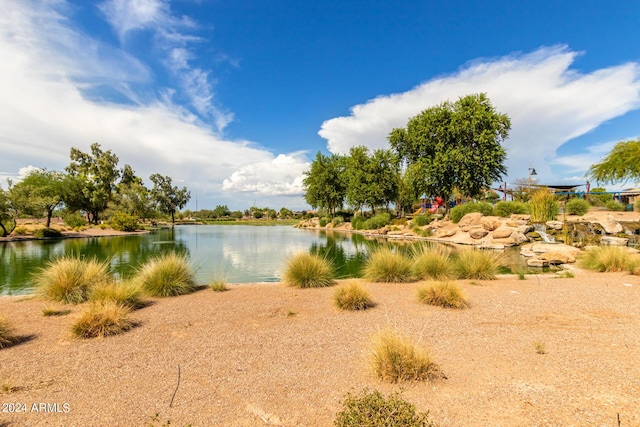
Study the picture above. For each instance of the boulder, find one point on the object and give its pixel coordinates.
(503, 232)
(524, 229)
(490, 223)
(472, 218)
(478, 233)
(613, 241)
(520, 217)
(519, 237)
(555, 258)
(610, 225)
(446, 232)
(541, 247)
(537, 262)
(554, 225)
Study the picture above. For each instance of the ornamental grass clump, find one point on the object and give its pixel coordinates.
(306, 270)
(166, 275)
(443, 294)
(395, 358)
(432, 263)
(7, 336)
(373, 409)
(70, 279)
(607, 259)
(101, 319)
(543, 206)
(352, 296)
(384, 265)
(476, 264)
(128, 294)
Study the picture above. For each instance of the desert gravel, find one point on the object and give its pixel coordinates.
(265, 354)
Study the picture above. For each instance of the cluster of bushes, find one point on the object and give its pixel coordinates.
(74, 280)
(506, 209)
(378, 221)
(421, 220)
(123, 222)
(47, 233)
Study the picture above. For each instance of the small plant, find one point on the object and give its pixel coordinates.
(459, 211)
(127, 294)
(421, 220)
(219, 282)
(539, 346)
(543, 206)
(606, 259)
(476, 264)
(506, 209)
(522, 274)
(352, 296)
(42, 233)
(6, 387)
(372, 409)
(102, 319)
(614, 206)
(166, 275)
(69, 279)
(51, 311)
(20, 231)
(565, 274)
(123, 222)
(432, 263)
(337, 221)
(74, 219)
(384, 265)
(395, 358)
(102, 227)
(7, 336)
(308, 271)
(443, 294)
(577, 207)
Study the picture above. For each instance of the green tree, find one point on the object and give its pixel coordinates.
(324, 182)
(38, 194)
(96, 175)
(220, 211)
(167, 197)
(7, 214)
(620, 165)
(454, 145)
(372, 180)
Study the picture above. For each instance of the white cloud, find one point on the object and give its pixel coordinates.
(44, 112)
(282, 175)
(549, 104)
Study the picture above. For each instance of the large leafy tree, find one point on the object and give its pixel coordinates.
(372, 180)
(169, 198)
(7, 214)
(620, 165)
(454, 145)
(96, 174)
(324, 182)
(39, 193)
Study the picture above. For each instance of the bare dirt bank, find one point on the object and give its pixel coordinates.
(270, 355)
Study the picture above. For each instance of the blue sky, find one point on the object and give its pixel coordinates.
(234, 98)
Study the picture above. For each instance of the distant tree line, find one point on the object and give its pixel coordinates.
(93, 185)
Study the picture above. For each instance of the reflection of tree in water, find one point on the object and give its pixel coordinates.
(346, 264)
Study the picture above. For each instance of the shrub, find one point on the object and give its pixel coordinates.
(218, 286)
(543, 206)
(597, 197)
(432, 263)
(395, 358)
(459, 211)
(123, 222)
(386, 266)
(7, 336)
(352, 296)
(308, 271)
(69, 279)
(102, 319)
(615, 206)
(324, 221)
(637, 206)
(74, 219)
(372, 409)
(42, 233)
(399, 221)
(506, 209)
(20, 231)
(476, 264)
(421, 220)
(166, 275)
(337, 221)
(357, 222)
(607, 259)
(577, 207)
(443, 294)
(378, 221)
(127, 294)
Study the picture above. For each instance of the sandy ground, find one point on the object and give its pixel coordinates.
(265, 354)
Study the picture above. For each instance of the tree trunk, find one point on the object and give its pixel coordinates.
(49, 215)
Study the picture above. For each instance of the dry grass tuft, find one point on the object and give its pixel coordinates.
(352, 296)
(101, 319)
(476, 264)
(607, 259)
(308, 271)
(70, 279)
(432, 263)
(166, 275)
(443, 294)
(52, 311)
(127, 294)
(395, 358)
(385, 265)
(7, 336)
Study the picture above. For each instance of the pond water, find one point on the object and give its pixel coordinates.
(240, 254)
